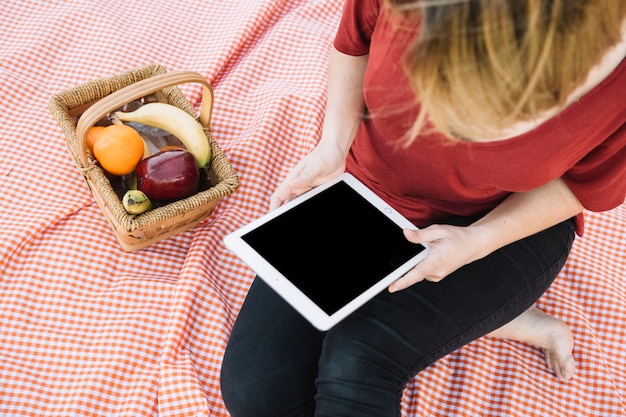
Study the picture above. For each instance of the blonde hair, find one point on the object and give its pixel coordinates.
(479, 66)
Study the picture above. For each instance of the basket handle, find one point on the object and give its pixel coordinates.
(135, 91)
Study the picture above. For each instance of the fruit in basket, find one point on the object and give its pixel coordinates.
(175, 121)
(136, 202)
(169, 174)
(118, 148)
(92, 134)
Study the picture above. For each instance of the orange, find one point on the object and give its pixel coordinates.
(118, 149)
(92, 135)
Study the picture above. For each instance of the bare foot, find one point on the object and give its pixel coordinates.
(549, 333)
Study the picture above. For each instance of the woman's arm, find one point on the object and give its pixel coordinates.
(344, 104)
(518, 216)
(524, 214)
(344, 112)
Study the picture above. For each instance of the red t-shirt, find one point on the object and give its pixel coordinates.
(431, 180)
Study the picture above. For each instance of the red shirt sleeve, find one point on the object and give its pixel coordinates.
(357, 26)
(597, 123)
(599, 179)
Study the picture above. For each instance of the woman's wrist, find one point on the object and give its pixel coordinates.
(484, 238)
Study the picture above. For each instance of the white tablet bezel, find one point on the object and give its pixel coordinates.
(281, 284)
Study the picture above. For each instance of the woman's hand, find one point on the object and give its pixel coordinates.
(518, 216)
(326, 161)
(451, 248)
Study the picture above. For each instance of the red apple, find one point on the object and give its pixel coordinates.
(170, 174)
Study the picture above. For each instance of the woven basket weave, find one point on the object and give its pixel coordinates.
(94, 100)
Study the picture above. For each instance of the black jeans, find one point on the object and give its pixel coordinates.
(276, 364)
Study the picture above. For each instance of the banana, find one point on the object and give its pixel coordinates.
(136, 202)
(146, 149)
(175, 121)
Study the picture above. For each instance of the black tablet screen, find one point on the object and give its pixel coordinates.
(333, 246)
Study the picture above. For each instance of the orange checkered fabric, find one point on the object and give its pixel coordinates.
(87, 329)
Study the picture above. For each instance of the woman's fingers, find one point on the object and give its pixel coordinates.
(288, 190)
(450, 250)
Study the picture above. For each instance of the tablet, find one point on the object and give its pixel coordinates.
(329, 250)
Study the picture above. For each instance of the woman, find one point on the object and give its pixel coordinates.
(490, 124)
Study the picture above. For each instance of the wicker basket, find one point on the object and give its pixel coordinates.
(94, 100)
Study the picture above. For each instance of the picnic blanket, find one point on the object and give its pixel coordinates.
(87, 329)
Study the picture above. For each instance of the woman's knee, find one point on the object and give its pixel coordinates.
(236, 394)
(253, 397)
(265, 387)
(357, 378)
